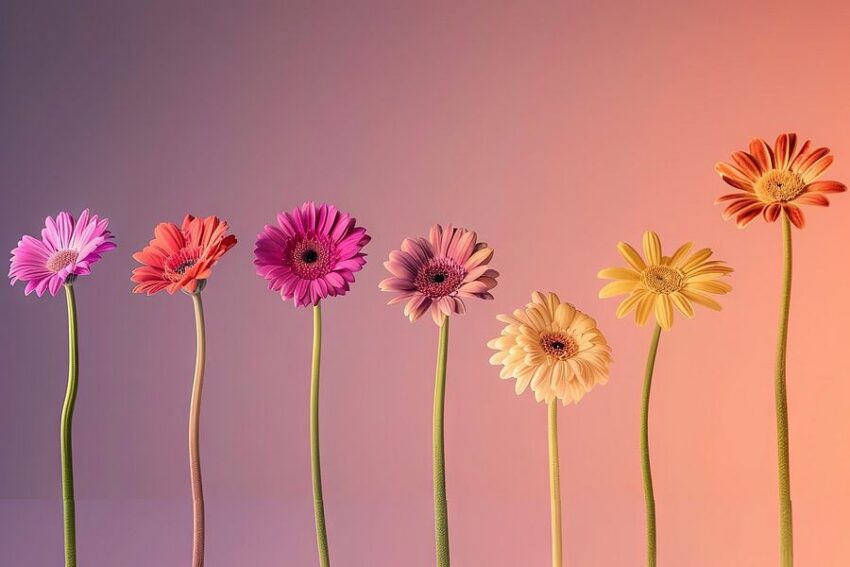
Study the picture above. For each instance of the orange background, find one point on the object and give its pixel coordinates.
(554, 130)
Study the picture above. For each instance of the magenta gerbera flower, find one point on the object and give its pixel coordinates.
(67, 249)
(437, 274)
(312, 253)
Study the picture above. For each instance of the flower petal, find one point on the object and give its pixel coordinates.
(762, 154)
(826, 187)
(652, 248)
(795, 215)
(618, 274)
(631, 256)
(618, 287)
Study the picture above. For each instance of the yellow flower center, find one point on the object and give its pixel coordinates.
(663, 279)
(779, 186)
(559, 346)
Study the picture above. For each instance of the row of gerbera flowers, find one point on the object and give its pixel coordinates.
(313, 252)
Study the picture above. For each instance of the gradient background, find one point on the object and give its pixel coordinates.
(554, 130)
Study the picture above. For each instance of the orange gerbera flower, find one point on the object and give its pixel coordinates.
(181, 258)
(773, 180)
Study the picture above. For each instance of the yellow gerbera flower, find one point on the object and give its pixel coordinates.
(554, 348)
(657, 283)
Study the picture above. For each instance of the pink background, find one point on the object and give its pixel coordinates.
(554, 130)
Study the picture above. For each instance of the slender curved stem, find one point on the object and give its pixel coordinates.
(786, 532)
(318, 501)
(555, 485)
(65, 433)
(441, 512)
(648, 493)
(194, 436)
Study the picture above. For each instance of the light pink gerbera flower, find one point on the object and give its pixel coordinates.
(67, 249)
(312, 253)
(439, 273)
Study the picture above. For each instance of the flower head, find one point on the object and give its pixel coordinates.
(181, 258)
(553, 347)
(311, 254)
(67, 249)
(658, 283)
(774, 180)
(437, 274)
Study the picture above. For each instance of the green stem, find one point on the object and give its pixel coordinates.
(555, 485)
(648, 493)
(65, 432)
(786, 533)
(318, 501)
(194, 436)
(441, 512)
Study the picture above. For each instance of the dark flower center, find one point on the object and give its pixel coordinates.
(178, 264)
(181, 268)
(311, 257)
(439, 277)
(559, 346)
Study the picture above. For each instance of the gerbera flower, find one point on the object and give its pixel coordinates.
(180, 258)
(560, 352)
(312, 254)
(658, 283)
(553, 347)
(437, 274)
(67, 249)
(773, 180)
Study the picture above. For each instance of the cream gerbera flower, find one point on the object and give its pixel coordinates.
(553, 347)
(658, 283)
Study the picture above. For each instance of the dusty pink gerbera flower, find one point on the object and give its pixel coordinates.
(67, 249)
(312, 253)
(439, 273)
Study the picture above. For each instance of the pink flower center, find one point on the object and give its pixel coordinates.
(177, 264)
(62, 259)
(439, 277)
(310, 258)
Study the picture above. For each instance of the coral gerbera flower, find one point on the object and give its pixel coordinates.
(437, 274)
(180, 258)
(658, 283)
(312, 254)
(553, 347)
(773, 180)
(67, 249)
